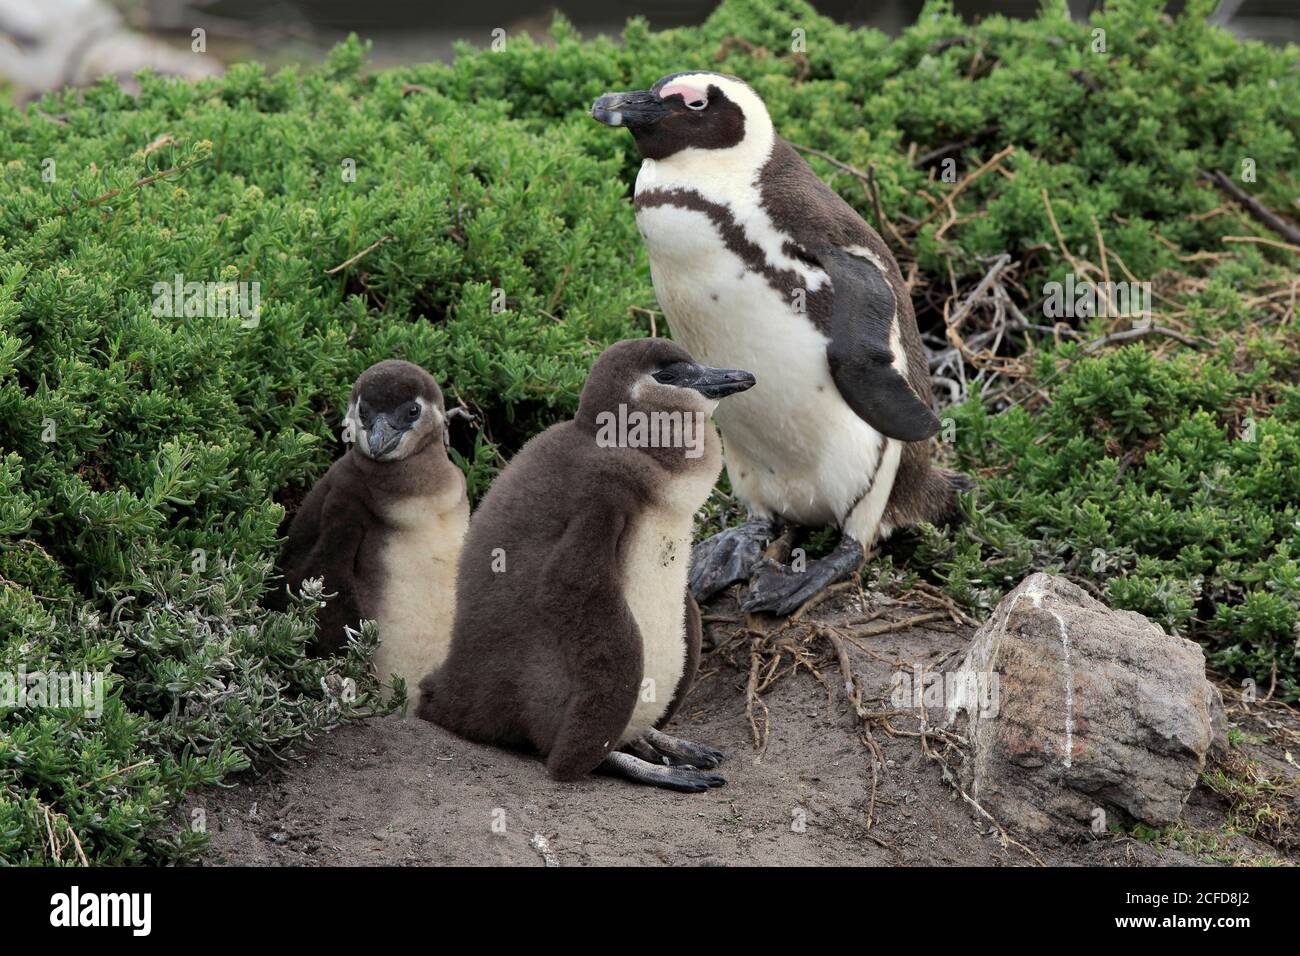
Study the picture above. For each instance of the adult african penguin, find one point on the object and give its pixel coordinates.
(758, 263)
(576, 636)
(384, 525)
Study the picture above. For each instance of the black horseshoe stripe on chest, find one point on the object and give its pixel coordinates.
(784, 281)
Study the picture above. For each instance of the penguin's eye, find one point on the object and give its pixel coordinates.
(665, 376)
(413, 411)
(694, 99)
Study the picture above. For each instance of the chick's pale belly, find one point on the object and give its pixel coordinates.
(654, 584)
(655, 566)
(419, 601)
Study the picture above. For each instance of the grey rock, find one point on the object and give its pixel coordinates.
(1072, 708)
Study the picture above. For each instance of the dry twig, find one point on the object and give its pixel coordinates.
(359, 256)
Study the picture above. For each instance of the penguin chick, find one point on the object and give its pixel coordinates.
(384, 525)
(576, 636)
(758, 263)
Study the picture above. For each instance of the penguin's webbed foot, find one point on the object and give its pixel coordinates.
(659, 748)
(781, 590)
(729, 556)
(684, 752)
(681, 779)
(641, 749)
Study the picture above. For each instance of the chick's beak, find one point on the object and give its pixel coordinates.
(719, 382)
(382, 437)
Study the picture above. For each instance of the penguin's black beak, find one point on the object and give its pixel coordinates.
(635, 110)
(383, 436)
(717, 382)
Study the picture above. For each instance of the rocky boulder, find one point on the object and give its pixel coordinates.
(1079, 715)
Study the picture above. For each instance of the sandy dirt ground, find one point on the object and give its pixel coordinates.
(404, 792)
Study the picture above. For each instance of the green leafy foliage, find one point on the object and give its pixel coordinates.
(147, 460)
(1139, 482)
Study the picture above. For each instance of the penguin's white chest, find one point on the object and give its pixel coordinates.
(793, 447)
(419, 594)
(655, 567)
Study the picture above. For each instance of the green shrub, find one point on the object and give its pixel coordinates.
(146, 461)
(1137, 483)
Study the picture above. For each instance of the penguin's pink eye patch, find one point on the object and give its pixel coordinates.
(694, 97)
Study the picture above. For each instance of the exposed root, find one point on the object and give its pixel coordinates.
(861, 831)
(775, 653)
(826, 593)
(950, 778)
(855, 701)
(951, 743)
(752, 700)
(935, 597)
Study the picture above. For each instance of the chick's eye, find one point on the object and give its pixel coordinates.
(665, 377)
(413, 411)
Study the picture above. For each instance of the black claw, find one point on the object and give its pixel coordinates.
(778, 590)
(707, 758)
(693, 781)
(699, 780)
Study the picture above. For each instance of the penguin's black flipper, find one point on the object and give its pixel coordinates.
(323, 542)
(600, 649)
(862, 363)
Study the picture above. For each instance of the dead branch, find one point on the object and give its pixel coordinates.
(962, 186)
(1126, 335)
(1258, 211)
